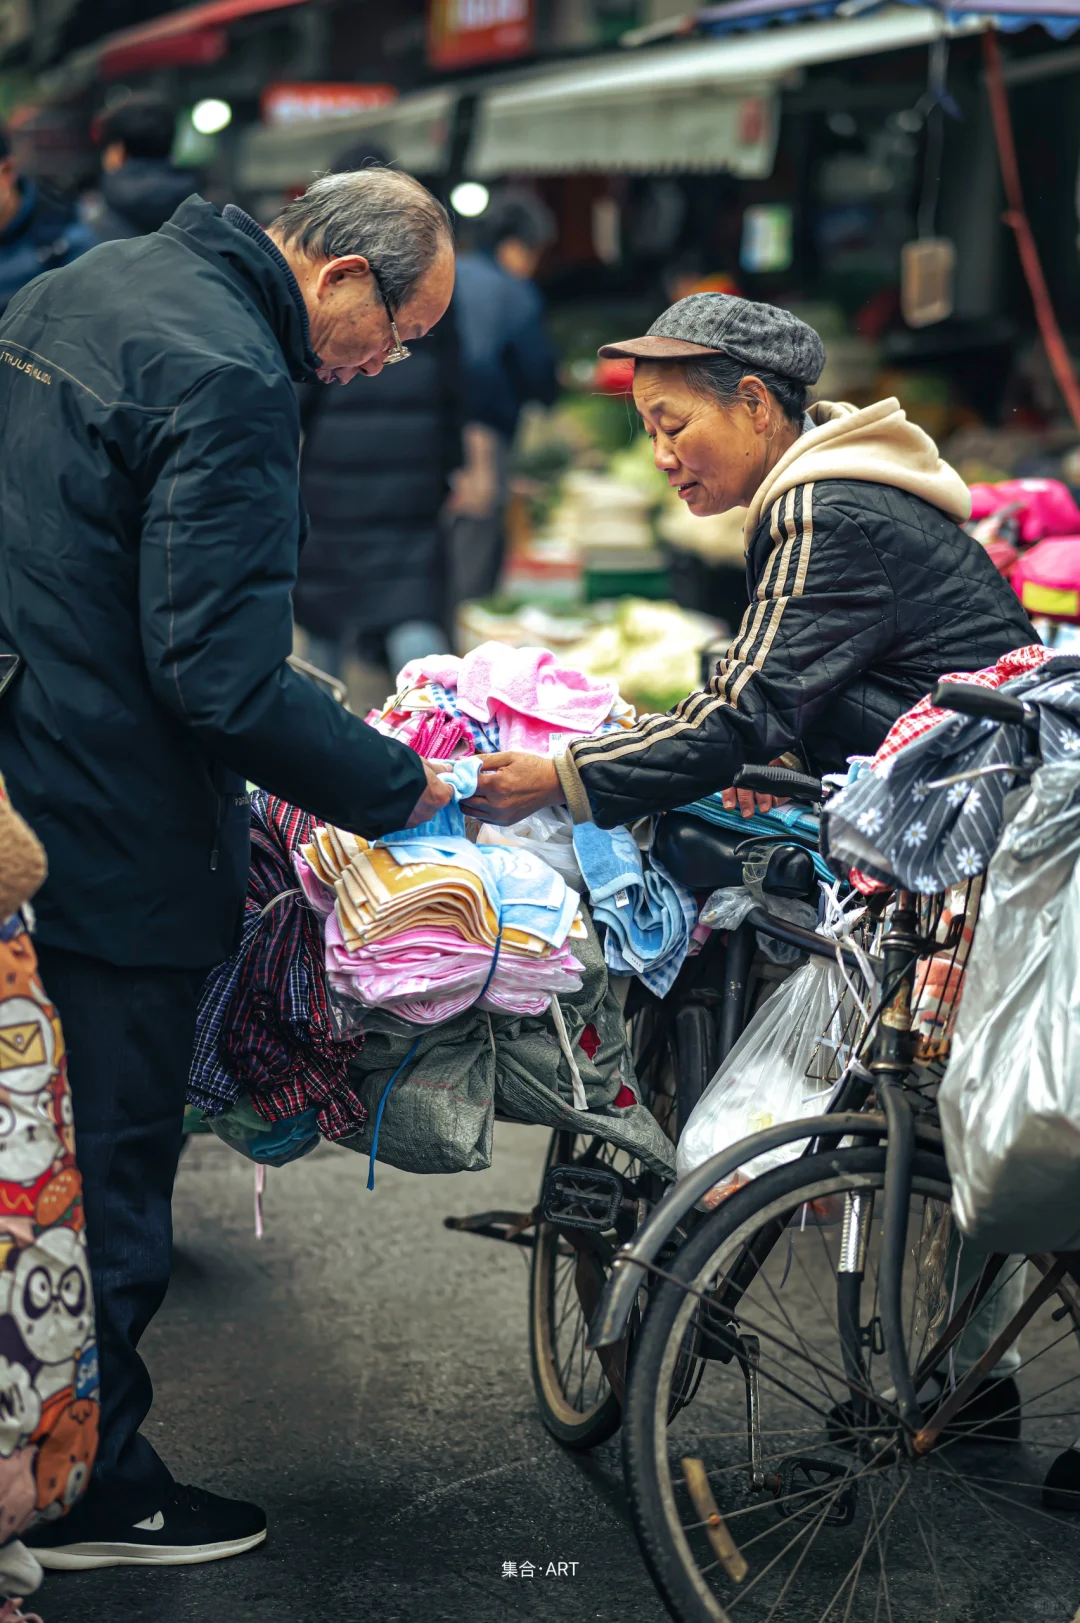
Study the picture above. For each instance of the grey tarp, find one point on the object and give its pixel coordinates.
(440, 1113)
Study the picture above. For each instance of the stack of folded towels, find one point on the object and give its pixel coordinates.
(425, 924)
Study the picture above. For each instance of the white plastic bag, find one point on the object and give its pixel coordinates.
(1010, 1098)
(548, 834)
(784, 1066)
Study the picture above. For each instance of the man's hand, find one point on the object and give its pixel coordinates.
(435, 796)
(512, 786)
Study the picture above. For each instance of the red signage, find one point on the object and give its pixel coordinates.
(462, 33)
(299, 103)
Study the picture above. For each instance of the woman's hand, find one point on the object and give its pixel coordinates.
(512, 786)
(747, 802)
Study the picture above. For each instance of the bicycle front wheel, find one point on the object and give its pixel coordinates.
(789, 1491)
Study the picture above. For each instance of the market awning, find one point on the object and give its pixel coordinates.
(413, 131)
(1060, 18)
(699, 105)
(193, 34)
(708, 104)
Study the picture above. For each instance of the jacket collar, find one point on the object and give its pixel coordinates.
(253, 261)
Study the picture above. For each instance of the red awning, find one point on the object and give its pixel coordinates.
(192, 19)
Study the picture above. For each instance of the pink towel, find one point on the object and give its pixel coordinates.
(524, 690)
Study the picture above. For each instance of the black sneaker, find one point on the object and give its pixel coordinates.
(1061, 1489)
(192, 1526)
(990, 1415)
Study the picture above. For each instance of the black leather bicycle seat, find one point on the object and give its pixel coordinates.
(697, 854)
(703, 857)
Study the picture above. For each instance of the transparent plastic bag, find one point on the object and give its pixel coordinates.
(784, 1066)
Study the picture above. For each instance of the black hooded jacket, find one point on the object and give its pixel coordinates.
(150, 525)
(140, 196)
(375, 472)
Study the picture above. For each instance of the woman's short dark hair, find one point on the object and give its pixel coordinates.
(145, 123)
(718, 378)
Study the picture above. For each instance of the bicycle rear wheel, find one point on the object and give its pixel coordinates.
(818, 1512)
(579, 1393)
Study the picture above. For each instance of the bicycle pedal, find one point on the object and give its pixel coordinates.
(806, 1488)
(582, 1197)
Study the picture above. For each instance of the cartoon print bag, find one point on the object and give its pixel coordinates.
(48, 1359)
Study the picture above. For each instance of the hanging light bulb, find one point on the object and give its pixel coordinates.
(211, 116)
(469, 199)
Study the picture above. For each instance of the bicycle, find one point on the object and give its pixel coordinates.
(861, 1389)
(593, 1198)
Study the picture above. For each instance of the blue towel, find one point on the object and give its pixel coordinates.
(787, 822)
(449, 819)
(648, 916)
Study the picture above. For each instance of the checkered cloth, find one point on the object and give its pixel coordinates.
(265, 1026)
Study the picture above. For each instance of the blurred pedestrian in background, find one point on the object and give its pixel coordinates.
(140, 188)
(509, 359)
(37, 233)
(375, 472)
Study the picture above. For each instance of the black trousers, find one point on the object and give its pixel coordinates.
(129, 1035)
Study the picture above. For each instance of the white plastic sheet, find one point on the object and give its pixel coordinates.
(1010, 1098)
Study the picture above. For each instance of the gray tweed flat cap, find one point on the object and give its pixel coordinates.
(721, 324)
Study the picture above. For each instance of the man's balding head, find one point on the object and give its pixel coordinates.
(355, 240)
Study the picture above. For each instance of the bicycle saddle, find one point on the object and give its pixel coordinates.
(703, 857)
(698, 855)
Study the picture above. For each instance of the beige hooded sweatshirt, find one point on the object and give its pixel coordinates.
(875, 443)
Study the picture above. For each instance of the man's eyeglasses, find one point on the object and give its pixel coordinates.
(397, 351)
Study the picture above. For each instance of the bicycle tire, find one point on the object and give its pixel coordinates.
(651, 1481)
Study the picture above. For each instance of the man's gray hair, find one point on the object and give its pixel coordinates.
(383, 214)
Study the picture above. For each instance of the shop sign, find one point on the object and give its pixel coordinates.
(303, 103)
(462, 33)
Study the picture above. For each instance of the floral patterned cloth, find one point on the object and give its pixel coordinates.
(892, 828)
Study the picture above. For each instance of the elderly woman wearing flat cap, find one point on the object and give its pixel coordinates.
(863, 587)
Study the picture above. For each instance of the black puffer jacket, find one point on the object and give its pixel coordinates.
(861, 596)
(375, 472)
(150, 523)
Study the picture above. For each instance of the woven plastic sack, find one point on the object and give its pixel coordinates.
(1010, 1098)
(783, 1067)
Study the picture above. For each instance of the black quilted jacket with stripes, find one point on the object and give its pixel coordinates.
(861, 596)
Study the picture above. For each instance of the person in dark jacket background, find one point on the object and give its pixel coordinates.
(149, 441)
(140, 188)
(509, 360)
(375, 473)
(37, 233)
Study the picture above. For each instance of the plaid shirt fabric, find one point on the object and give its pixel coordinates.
(265, 1026)
(923, 716)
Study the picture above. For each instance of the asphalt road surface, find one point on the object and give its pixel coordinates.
(363, 1373)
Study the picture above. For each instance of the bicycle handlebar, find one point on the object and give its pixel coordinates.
(971, 700)
(778, 780)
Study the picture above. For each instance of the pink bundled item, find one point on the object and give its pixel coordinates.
(1047, 579)
(1044, 506)
(524, 690)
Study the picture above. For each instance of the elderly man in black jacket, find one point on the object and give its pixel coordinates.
(151, 527)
